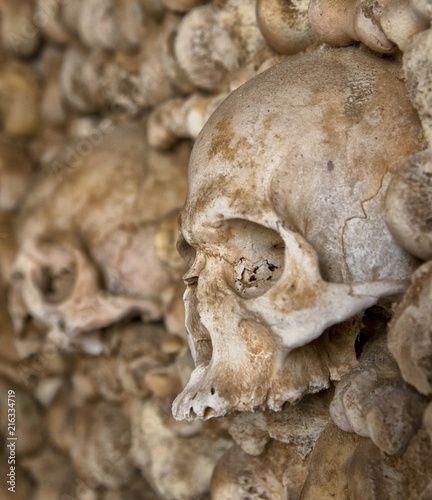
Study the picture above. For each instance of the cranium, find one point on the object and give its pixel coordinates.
(87, 253)
(283, 224)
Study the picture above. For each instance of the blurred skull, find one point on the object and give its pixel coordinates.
(87, 253)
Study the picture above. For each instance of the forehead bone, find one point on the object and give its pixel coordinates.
(332, 111)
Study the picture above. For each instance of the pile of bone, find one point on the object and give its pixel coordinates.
(305, 242)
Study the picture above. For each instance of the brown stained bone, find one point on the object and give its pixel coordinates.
(341, 22)
(410, 337)
(250, 432)
(88, 264)
(285, 25)
(100, 449)
(279, 472)
(181, 119)
(300, 424)
(417, 60)
(374, 402)
(327, 475)
(408, 205)
(215, 40)
(205, 64)
(271, 271)
(403, 19)
(373, 474)
(123, 88)
(111, 24)
(141, 351)
(174, 471)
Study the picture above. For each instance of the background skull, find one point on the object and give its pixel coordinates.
(283, 225)
(88, 233)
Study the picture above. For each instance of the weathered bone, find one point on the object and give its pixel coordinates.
(284, 225)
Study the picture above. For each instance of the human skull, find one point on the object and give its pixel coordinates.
(87, 236)
(283, 225)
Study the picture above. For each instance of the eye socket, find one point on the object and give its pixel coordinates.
(55, 284)
(257, 260)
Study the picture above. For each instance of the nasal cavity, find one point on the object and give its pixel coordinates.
(192, 413)
(209, 413)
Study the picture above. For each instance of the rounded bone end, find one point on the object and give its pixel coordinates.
(410, 337)
(205, 51)
(328, 19)
(408, 205)
(342, 22)
(373, 402)
(401, 20)
(239, 475)
(285, 25)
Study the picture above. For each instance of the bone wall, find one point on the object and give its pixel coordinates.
(101, 104)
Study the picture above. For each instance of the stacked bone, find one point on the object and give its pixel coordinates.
(100, 102)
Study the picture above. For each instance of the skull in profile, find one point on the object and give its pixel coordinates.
(283, 226)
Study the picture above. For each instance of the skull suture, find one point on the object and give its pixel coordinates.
(283, 225)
